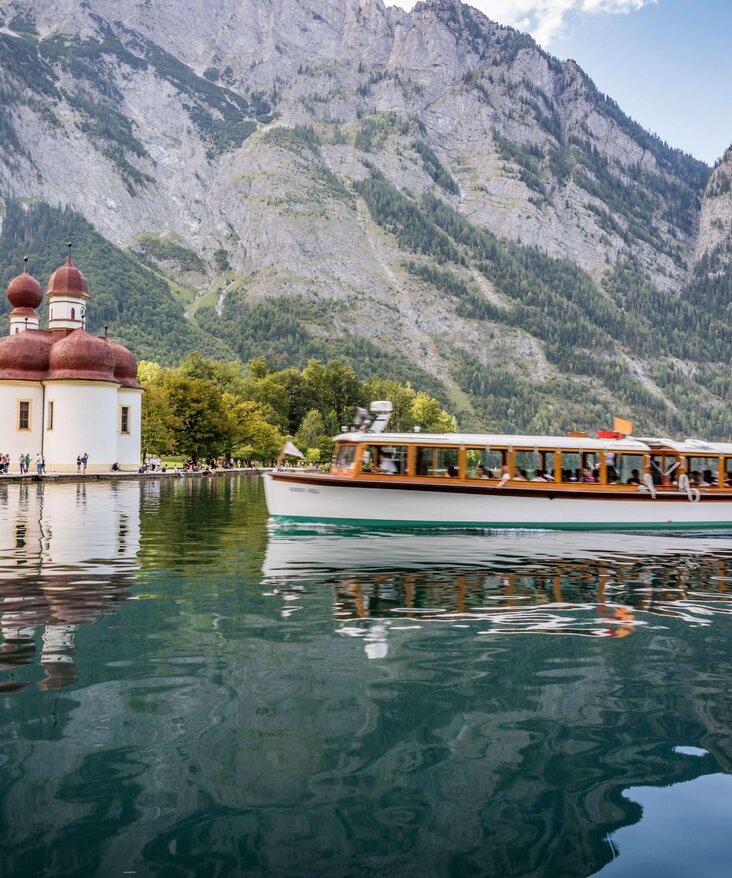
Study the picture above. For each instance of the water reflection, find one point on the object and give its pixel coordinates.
(67, 555)
(593, 585)
(360, 709)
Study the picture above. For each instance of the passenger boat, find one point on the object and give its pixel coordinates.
(413, 480)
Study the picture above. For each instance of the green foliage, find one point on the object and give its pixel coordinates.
(136, 304)
(277, 329)
(203, 408)
(297, 139)
(221, 258)
(374, 130)
(528, 159)
(200, 419)
(404, 219)
(312, 430)
(433, 167)
(158, 249)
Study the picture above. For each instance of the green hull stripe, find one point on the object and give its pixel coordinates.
(512, 525)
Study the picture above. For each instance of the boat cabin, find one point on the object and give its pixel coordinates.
(573, 461)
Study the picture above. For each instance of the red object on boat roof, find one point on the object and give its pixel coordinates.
(609, 434)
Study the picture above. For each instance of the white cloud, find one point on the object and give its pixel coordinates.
(543, 19)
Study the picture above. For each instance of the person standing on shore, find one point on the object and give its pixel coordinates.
(78, 464)
(85, 460)
(21, 463)
(39, 464)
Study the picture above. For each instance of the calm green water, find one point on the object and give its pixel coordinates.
(184, 692)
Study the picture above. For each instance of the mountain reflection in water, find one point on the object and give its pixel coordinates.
(186, 691)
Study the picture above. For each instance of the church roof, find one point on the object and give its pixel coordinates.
(65, 355)
(62, 354)
(24, 291)
(67, 280)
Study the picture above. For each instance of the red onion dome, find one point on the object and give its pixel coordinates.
(25, 355)
(81, 356)
(24, 291)
(67, 280)
(125, 365)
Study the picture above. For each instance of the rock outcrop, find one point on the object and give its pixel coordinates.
(271, 149)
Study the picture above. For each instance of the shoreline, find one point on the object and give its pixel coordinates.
(124, 476)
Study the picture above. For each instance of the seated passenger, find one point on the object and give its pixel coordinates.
(708, 478)
(548, 476)
(587, 476)
(521, 476)
(482, 472)
(656, 474)
(538, 476)
(389, 466)
(634, 478)
(694, 478)
(505, 475)
(452, 472)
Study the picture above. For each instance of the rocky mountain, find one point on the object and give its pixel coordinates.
(427, 194)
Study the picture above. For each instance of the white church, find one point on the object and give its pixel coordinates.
(63, 391)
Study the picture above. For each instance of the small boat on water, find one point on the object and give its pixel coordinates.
(413, 480)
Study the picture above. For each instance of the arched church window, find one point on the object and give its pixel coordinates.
(73, 313)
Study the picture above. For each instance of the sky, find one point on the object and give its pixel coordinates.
(667, 63)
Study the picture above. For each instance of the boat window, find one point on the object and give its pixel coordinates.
(548, 466)
(703, 472)
(485, 463)
(345, 457)
(534, 466)
(628, 469)
(384, 459)
(665, 469)
(437, 462)
(571, 466)
(580, 466)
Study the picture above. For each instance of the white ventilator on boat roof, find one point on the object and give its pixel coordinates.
(382, 408)
(362, 420)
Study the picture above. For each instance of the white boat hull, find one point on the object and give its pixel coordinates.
(316, 499)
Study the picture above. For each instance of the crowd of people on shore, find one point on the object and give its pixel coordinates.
(207, 467)
(24, 463)
(152, 464)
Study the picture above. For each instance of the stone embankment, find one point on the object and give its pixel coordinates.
(125, 476)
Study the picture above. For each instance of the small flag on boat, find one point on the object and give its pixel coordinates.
(292, 450)
(623, 426)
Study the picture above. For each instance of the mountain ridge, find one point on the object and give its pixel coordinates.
(282, 157)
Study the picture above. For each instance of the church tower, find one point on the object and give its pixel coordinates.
(67, 297)
(25, 295)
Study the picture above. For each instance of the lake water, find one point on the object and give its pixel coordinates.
(186, 692)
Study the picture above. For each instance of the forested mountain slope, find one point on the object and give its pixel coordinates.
(428, 195)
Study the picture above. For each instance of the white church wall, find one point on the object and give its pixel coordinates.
(13, 440)
(128, 444)
(85, 420)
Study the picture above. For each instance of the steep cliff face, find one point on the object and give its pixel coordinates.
(538, 155)
(715, 227)
(429, 183)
